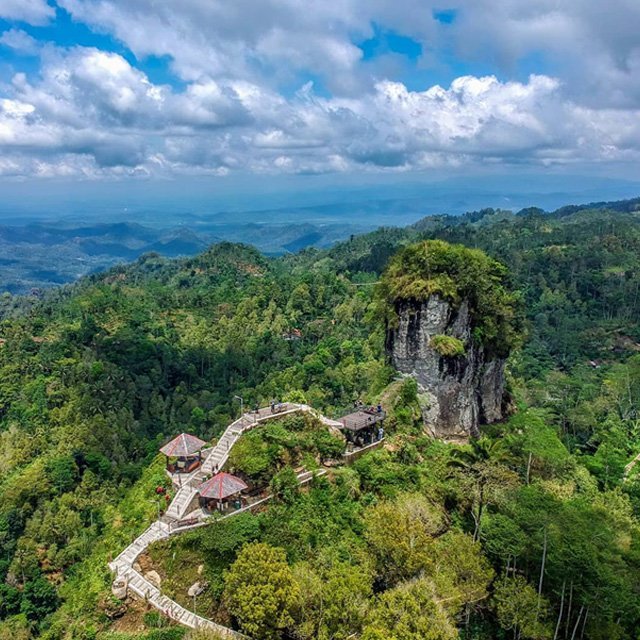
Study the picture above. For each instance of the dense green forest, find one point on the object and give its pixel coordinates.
(531, 531)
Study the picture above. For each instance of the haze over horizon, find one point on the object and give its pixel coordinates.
(109, 106)
(318, 200)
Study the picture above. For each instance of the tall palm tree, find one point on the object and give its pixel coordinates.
(473, 460)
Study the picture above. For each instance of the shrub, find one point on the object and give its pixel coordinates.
(9, 601)
(260, 591)
(447, 346)
(284, 485)
(153, 619)
(62, 472)
(39, 599)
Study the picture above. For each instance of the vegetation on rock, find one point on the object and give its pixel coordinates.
(457, 274)
(447, 346)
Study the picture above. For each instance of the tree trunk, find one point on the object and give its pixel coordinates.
(555, 634)
(529, 467)
(544, 560)
(566, 629)
(584, 623)
(575, 627)
(476, 532)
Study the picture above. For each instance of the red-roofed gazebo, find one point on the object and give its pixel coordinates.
(183, 453)
(219, 489)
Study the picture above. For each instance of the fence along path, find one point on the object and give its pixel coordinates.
(123, 565)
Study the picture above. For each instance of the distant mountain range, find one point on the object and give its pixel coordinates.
(47, 253)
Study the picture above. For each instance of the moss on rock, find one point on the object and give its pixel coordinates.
(456, 273)
(447, 346)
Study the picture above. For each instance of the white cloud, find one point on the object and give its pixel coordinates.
(95, 105)
(268, 41)
(19, 41)
(593, 46)
(91, 113)
(36, 12)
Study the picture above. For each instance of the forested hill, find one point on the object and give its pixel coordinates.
(95, 376)
(576, 269)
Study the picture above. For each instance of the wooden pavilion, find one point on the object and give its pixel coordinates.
(184, 453)
(217, 492)
(364, 426)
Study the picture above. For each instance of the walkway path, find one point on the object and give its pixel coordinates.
(629, 468)
(170, 524)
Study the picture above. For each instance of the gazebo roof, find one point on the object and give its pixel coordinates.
(183, 445)
(361, 420)
(221, 486)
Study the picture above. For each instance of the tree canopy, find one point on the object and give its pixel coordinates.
(457, 274)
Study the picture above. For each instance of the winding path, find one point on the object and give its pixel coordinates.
(629, 468)
(173, 522)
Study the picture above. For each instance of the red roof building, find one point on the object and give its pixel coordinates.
(183, 453)
(221, 486)
(183, 446)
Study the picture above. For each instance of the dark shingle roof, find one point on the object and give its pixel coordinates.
(361, 420)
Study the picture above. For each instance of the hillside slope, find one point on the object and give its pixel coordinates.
(95, 376)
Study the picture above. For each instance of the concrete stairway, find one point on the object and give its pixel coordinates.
(220, 453)
(157, 531)
(151, 594)
(123, 564)
(181, 502)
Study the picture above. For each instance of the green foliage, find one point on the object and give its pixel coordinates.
(10, 599)
(408, 394)
(291, 441)
(226, 538)
(447, 346)
(284, 485)
(254, 457)
(400, 536)
(129, 358)
(167, 633)
(410, 611)
(456, 274)
(503, 538)
(533, 440)
(334, 598)
(153, 619)
(260, 591)
(39, 599)
(460, 571)
(519, 609)
(62, 473)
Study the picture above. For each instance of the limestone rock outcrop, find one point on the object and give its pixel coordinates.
(457, 392)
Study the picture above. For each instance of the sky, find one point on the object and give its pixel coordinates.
(147, 90)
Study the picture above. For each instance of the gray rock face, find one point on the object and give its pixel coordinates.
(456, 394)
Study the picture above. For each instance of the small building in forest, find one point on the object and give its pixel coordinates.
(220, 491)
(364, 426)
(184, 453)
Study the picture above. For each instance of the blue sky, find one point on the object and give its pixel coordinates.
(139, 90)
